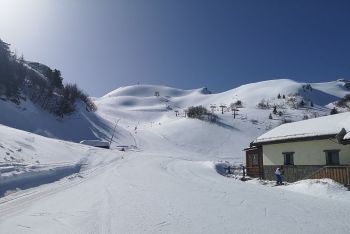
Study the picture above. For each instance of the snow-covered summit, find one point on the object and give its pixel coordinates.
(250, 94)
(142, 103)
(150, 90)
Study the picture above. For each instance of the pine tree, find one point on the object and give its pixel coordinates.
(9, 85)
(274, 110)
(56, 79)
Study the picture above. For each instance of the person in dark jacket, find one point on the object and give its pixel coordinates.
(278, 174)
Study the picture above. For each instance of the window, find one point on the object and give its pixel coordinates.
(332, 157)
(288, 158)
(255, 160)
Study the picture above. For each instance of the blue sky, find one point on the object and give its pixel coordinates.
(104, 44)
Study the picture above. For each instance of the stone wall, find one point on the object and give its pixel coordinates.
(291, 173)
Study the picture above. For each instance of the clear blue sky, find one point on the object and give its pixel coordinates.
(104, 44)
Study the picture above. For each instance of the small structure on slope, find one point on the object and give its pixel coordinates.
(96, 143)
(314, 148)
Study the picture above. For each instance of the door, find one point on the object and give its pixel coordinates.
(254, 162)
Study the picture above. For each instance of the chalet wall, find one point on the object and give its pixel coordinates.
(305, 153)
(291, 173)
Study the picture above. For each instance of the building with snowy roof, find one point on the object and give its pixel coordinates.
(96, 143)
(313, 148)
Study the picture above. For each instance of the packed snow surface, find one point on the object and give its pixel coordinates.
(165, 180)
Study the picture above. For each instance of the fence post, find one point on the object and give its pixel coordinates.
(243, 172)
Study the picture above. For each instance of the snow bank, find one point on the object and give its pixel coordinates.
(323, 188)
(29, 160)
(36, 176)
(320, 188)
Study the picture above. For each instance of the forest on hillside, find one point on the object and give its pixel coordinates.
(21, 80)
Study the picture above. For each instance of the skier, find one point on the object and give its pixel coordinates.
(278, 174)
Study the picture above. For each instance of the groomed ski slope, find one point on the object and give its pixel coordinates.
(165, 189)
(167, 182)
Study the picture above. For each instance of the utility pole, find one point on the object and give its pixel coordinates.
(222, 109)
(115, 127)
(234, 112)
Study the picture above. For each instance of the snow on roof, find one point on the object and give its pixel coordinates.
(322, 126)
(347, 136)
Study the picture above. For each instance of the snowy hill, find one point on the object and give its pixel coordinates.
(28, 160)
(138, 104)
(249, 93)
(152, 108)
(165, 180)
(140, 107)
(142, 97)
(76, 127)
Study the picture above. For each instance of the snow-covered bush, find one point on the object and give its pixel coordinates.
(344, 102)
(334, 111)
(196, 112)
(263, 104)
(200, 112)
(236, 104)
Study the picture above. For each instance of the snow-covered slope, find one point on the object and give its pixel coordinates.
(29, 160)
(76, 127)
(166, 180)
(138, 104)
(137, 107)
(250, 94)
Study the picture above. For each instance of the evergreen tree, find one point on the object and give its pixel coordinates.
(274, 110)
(56, 79)
(9, 85)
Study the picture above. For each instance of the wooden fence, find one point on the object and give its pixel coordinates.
(341, 174)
